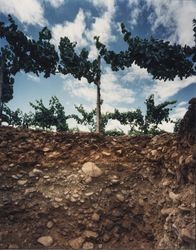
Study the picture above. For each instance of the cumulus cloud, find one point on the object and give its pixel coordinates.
(112, 92)
(77, 30)
(114, 124)
(136, 10)
(176, 16)
(33, 78)
(80, 89)
(108, 5)
(102, 28)
(178, 113)
(55, 3)
(163, 90)
(135, 73)
(102, 25)
(73, 30)
(29, 12)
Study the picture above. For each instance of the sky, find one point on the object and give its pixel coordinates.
(80, 21)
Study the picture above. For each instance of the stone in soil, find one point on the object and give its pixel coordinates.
(45, 241)
(91, 169)
(76, 243)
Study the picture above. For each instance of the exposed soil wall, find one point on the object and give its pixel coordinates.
(88, 191)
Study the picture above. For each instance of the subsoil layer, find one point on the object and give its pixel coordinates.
(89, 191)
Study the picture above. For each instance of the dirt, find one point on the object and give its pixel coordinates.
(143, 196)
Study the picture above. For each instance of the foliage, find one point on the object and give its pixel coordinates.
(13, 118)
(74, 130)
(114, 132)
(46, 118)
(22, 53)
(155, 115)
(16, 118)
(177, 125)
(131, 117)
(89, 118)
(148, 124)
(77, 65)
(161, 59)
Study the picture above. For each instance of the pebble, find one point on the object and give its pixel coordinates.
(115, 179)
(72, 199)
(34, 172)
(45, 241)
(187, 235)
(88, 180)
(13, 246)
(55, 205)
(57, 199)
(89, 193)
(90, 234)
(46, 149)
(76, 243)
(166, 183)
(108, 191)
(75, 195)
(15, 177)
(167, 211)
(22, 182)
(106, 237)
(95, 217)
(119, 151)
(50, 224)
(174, 197)
(106, 153)
(183, 208)
(91, 169)
(88, 245)
(46, 177)
(154, 152)
(120, 197)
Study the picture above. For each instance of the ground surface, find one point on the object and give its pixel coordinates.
(139, 195)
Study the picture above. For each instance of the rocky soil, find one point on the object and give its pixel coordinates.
(87, 191)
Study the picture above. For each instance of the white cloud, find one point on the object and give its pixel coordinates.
(73, 30)
(55, 3)
(178, 113)
(80, 89)
(108, 5)
(135, 73)
(163, 90)
(28, 11)
(167, 126)
(114, 124)
(33, 78)
(77, 30)
(136, 10)
(102, 28)
(176, 16)
(102, 25)
(112, 92)
(181, 104)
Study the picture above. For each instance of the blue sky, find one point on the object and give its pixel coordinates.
(81, 20)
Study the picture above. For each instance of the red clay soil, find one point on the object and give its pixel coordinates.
(89, 191)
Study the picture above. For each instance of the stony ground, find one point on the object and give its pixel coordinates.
(87, 191)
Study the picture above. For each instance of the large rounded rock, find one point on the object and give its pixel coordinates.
(90, 169)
